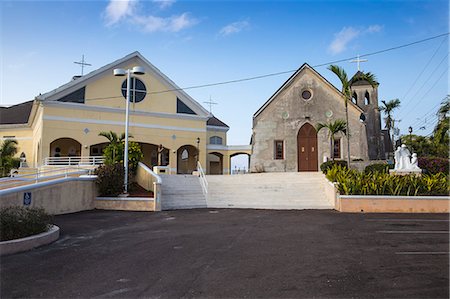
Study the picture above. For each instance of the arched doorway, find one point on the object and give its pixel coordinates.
(215, 161)
(65, 147)
(154, 155)
(186, 159)
(239, 163)
(307, 148)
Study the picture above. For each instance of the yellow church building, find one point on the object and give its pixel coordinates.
(66, 121)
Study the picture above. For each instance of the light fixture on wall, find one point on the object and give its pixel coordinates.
(137, 70)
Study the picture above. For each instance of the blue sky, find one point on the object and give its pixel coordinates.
(200, 42)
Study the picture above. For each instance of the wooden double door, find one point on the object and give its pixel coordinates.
(307, 148)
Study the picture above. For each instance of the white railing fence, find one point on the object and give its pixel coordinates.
(40, 175)
(202, 178)
(64, 161)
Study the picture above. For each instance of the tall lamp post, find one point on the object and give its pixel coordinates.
(198, 151)
(410, 130)
(137, 70)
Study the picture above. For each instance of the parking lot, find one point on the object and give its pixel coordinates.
(236, 253)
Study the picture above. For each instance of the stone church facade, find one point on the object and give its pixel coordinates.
(284, 129)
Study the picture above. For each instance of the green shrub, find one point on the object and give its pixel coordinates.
(113, 153)
(353, 182)
(324, 167)
(110, 179)
(20, 222)
(379, 167)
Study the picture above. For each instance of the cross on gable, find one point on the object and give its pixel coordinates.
(210, 103)
(358, 61)
(82, 63)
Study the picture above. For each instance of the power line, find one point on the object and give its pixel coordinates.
(426, 81)
(287, 72)
(423, 70)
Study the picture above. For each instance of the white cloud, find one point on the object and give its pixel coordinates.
(348, 34)
(374, 28)
(118, 10)
(170, 24)
(163, 4)
(234, 28)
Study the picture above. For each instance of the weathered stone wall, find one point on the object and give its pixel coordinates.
(283, 117)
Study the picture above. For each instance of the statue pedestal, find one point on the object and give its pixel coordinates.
(161, 169)
(417, 172)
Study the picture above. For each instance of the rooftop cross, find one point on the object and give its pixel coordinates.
(358, 61)
(82, 63)
(210, 103)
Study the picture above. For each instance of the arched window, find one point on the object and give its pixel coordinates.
(215, 140)
(367, 98)
(355, 98)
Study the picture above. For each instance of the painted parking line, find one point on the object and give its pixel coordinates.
(422, 253)
(407, 220)
(413, 231)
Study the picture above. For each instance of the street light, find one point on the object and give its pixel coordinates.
(410, 130)
(137, 70)
(198, 150)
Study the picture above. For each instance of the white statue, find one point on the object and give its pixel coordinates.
(414, 162)
(397, 158)
(403, 160)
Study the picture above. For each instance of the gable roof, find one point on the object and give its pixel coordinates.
(214, 121)
(17, 114)
(78, 83)
(291, 78)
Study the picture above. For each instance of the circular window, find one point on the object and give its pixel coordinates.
(137, 90)
(306, 95)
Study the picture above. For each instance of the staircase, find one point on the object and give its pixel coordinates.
(181, 192)
(287, 190)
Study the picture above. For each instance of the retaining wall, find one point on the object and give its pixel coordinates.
(61, 196)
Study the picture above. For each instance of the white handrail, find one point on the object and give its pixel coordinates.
(202, 178)
(42, 175)
(78, 160)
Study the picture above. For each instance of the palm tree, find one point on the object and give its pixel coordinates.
(388, 108)
(8, 149)
(333, 128)
(440, 132)
(347, 93)
(114, 140)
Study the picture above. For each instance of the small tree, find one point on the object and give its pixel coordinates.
(8, 148)
(333, 128)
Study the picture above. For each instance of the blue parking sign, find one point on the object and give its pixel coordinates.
(27, 198)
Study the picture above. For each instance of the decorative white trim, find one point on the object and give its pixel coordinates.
(125, 198)
(122, 110)
(15, 126)
(103, 71)
(120, 123)
(217, 128)
(17, 138)
(229, 147)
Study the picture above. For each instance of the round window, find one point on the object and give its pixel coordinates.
(306, 94)
(137, 90)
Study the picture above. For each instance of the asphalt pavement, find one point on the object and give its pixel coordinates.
(231, 253)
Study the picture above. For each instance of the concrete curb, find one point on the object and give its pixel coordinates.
(28, 243)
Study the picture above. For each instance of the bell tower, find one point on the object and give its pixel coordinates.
(366, 97)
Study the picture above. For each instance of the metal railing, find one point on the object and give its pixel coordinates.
(202, 178)
(84, 161)
(39, 175)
